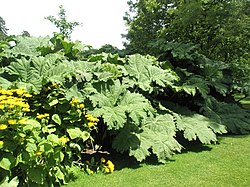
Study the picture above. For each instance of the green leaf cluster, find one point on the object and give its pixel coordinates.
(145, 106)
(39, 144)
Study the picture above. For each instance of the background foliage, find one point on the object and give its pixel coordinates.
(220, 29)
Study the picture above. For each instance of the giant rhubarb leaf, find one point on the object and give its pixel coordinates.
(143, 72)
(232, 116)
(196, 126)
(156, 134)
(114, 117)
(115, 103)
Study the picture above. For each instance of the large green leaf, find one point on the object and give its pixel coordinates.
(115, 101)
(194, 84)
(27, 46)
(56, 118)
(163, 144)
(114, 117)
(38, 71)
(73, 92)
(108, 71)
(9, 183)
(126, 140)
(7, 161)
(37, 174)
(107, 93)
(196, 126)
(21, 69)
(4, 83)
(137, 106)
(137, 68)
(143, 72)
(83, 71)
(156, 134)
(231, 116)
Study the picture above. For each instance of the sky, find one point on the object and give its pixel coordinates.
(102, 20)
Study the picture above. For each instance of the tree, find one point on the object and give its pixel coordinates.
(25, 34)
(66, 27)
(3, 29)
(221, 28)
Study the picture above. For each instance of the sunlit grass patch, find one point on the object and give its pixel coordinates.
(224, 164)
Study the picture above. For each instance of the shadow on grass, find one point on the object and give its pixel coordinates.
(221, 137)
(122, 161)
(192, 146)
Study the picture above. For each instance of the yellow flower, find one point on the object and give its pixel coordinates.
(12, 121)
(11, 106)
(107, 170)
(111, 166)
(91, 124)
(88, 115)
(26, 110)
(7, 92)
(74, 101)
(20, 91)
(2, 97)
(81, 106)
(1, 144)
(91, 118)
(1, 107)
(39, 153)
(103, 160)
(21, 121)
(46, 115)
(108, 166)
(63, 140)
(91, 172)
(41, 116)
(3, 126)
(27, 95)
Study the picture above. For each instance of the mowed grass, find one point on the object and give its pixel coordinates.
(222, 165)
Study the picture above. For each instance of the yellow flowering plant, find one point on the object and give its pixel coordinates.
(95, 165)
(42, 134)
(107, 166)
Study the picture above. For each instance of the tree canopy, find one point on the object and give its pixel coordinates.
(66, 27)
(3, 29)
(219, 28)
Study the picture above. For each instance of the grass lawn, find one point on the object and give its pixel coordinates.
(223, 165)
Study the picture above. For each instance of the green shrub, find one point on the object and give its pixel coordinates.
(143, 106)
(40, 137)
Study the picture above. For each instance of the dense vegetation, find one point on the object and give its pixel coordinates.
(219, 29)
(61, 100)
